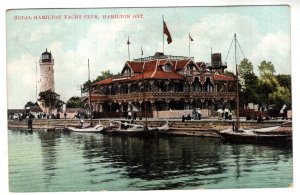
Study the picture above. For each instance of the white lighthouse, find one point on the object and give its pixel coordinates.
(47, 72)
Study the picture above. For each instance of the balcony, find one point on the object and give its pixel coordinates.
(168, 57)
(122, 76)
(166, 96)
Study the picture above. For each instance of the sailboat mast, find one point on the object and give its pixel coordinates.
(89, 81)
(163, 34)
(237, 87)
(145, 106)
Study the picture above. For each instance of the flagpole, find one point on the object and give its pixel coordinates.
(163, 35)
(128, 43)
(189, 45)
(142, 52)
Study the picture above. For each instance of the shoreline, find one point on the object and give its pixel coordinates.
(199, 128)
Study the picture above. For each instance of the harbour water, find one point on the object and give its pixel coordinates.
(56, 161)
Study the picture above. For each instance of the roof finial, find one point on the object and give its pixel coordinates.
(46, 49)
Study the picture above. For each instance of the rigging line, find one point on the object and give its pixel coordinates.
(229, 50)
(233, 64)
(241, 48)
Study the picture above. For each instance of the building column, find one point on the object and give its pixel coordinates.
(109, 89)
(152, 86)
(168, 105)
(140, 102)
(128, 88)
(167, 86)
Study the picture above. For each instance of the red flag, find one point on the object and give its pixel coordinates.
(166, 32)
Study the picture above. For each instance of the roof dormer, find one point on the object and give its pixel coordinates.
(167, 67)
(126, 69)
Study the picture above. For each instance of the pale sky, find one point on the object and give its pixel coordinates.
(263, 33)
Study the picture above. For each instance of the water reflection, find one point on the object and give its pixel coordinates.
(49, 152)
(159, 158)
(178, 160)
(93, 162)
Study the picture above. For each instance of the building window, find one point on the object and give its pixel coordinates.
(167, 68)
(127, 70)
(208, 86)
(196, 85)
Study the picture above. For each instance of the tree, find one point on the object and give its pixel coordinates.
(104, 75)
(271, 90)
(266, 69)
(249, 82)
(245, 68)
(284, 81)
(249, 92)
(50, 99)
(29, 104)
(229, 73)
(75, 102)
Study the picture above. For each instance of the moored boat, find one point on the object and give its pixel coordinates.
(127, 128)
(261, 135)
(88, 129)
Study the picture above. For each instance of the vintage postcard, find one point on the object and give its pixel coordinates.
(149, 98)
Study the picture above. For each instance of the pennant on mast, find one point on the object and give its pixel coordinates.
(191, 39)
(128, 43)
(142, 52)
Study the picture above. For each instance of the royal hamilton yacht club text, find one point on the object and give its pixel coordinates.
(79, 17)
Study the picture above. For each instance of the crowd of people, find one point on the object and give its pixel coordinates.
(39, 115)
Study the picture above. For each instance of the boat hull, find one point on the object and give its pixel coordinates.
(139, 133)
(86, 130)
(244, 138)
(257, 136)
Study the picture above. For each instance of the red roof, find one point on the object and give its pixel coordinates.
(153, 70)
(159, 74)
(180, 64)
(135, 66)
(104, 82)
(221, 77)
(150, 66)
(200, 64)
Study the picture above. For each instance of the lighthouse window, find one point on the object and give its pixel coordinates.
(45, 57)
(49, 68)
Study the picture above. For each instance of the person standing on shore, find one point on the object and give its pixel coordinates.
(199, 113)
(30, 124)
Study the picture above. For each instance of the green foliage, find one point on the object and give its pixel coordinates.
(104, 75)
(280, 96)
(50, 99)
(229, 73)
(266, 69)
(284, 80)
(249, 82)
(245, 68)
(28, 104)
(249, 91)
(75, 102)
(272, 92)
(265, 90)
